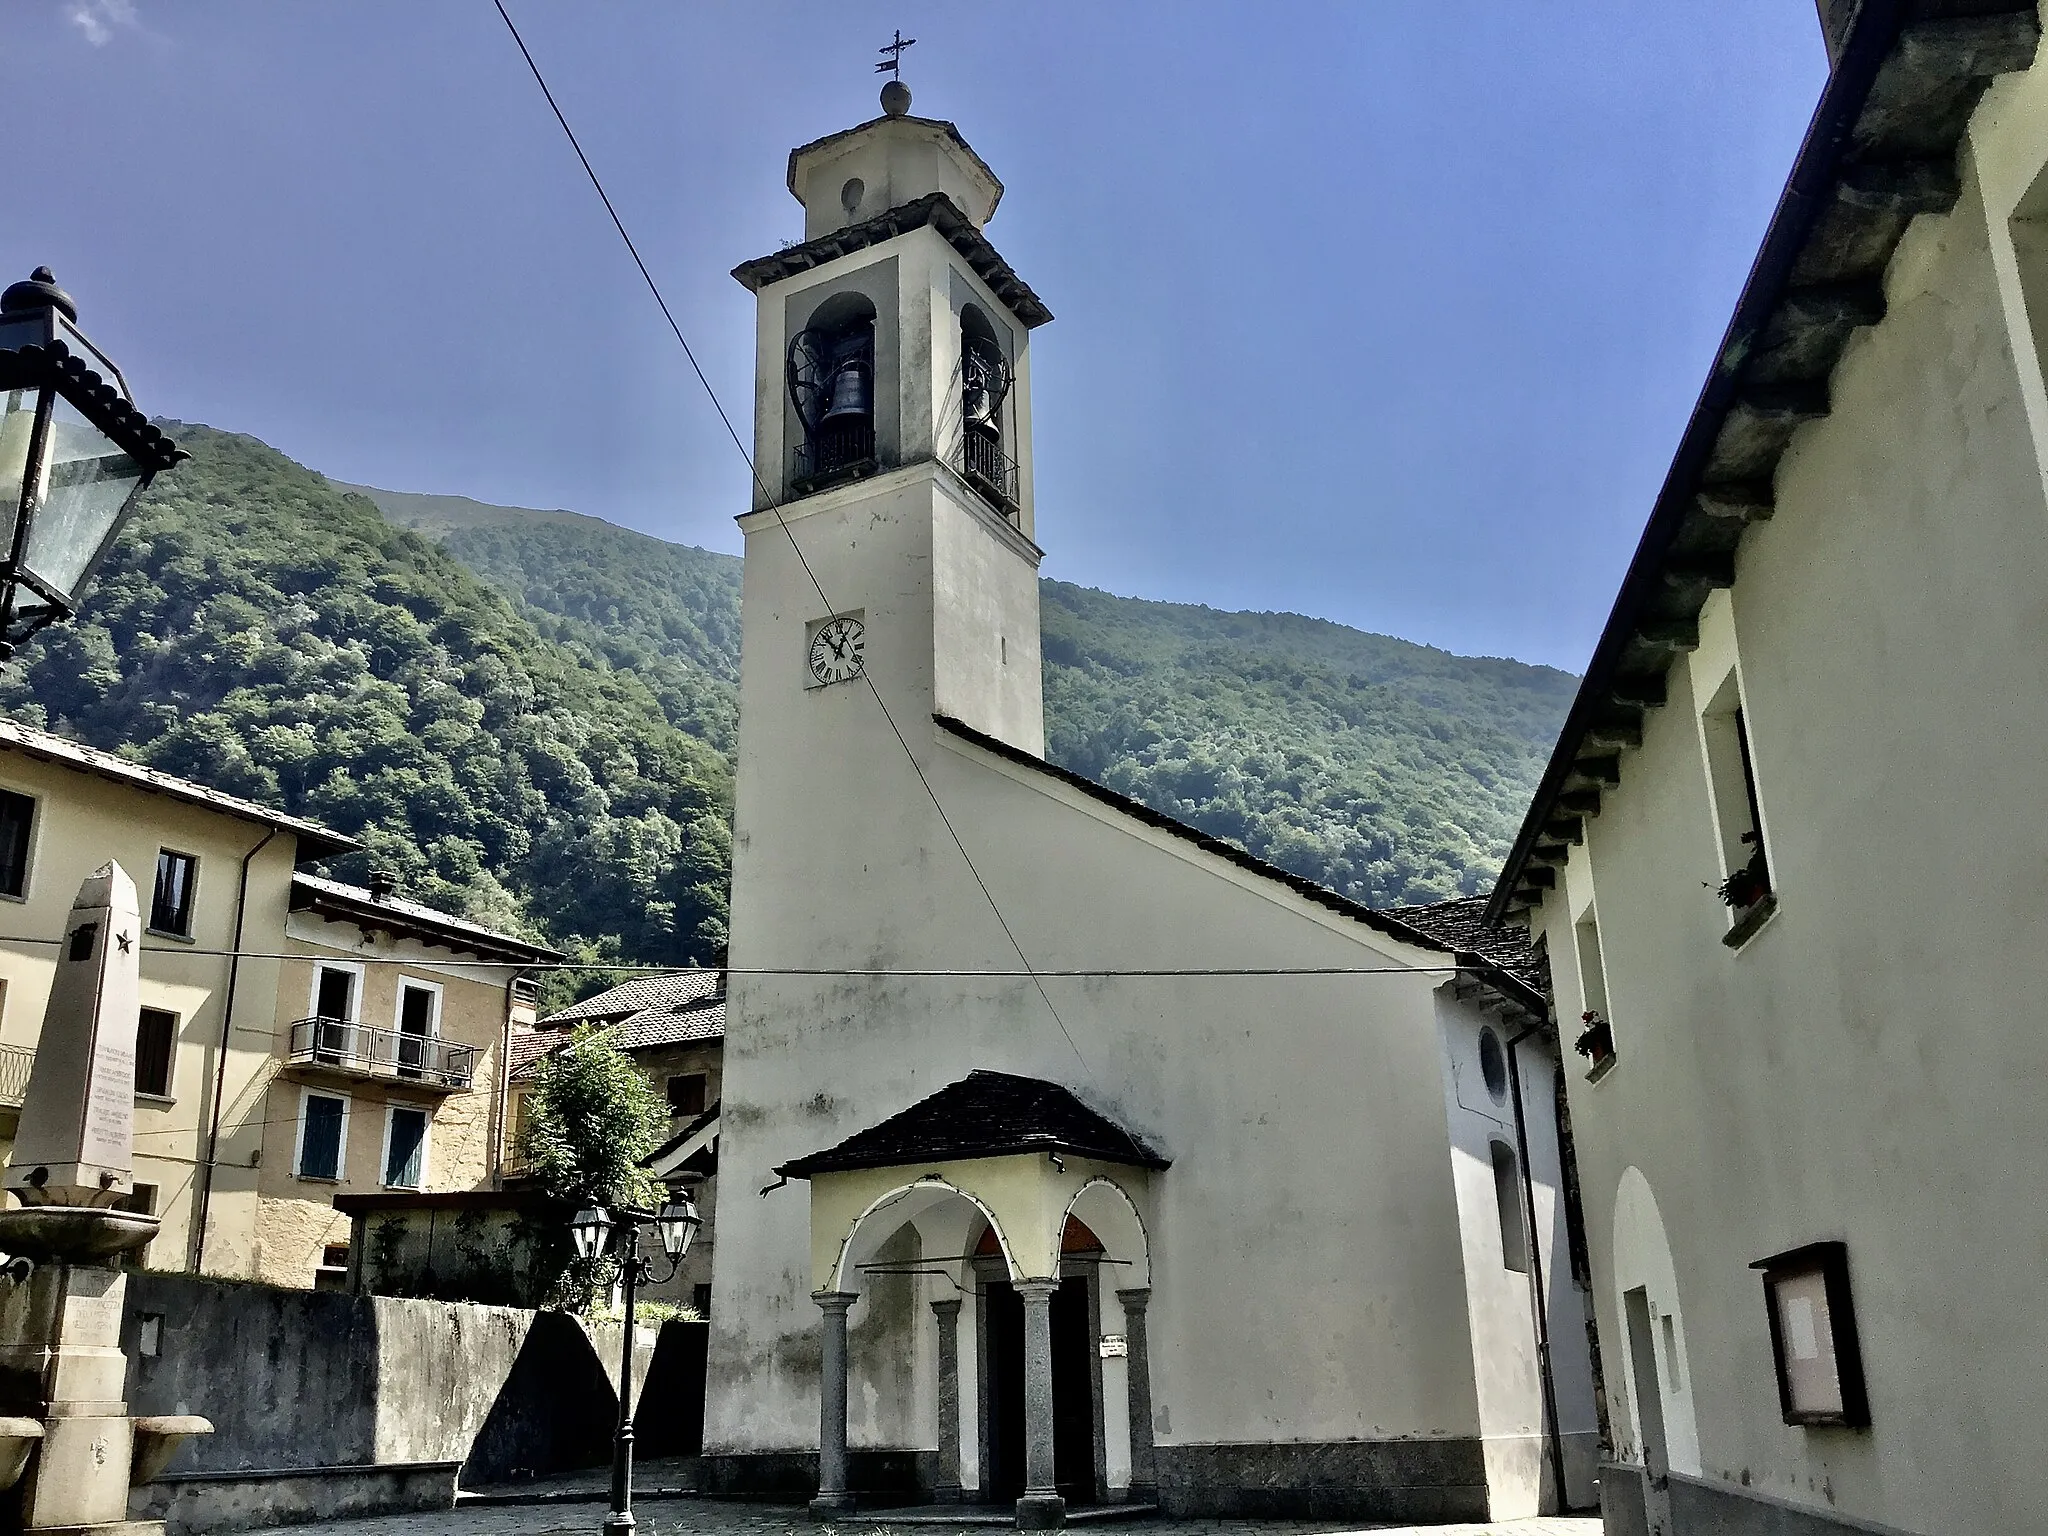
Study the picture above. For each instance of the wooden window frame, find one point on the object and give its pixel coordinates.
(391, 1114)
(28, 842)
(170, 1056)
(340, 1174)
(191, 912)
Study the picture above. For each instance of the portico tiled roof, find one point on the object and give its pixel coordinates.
(1881, 150)
(985, 1114)
(315, 841)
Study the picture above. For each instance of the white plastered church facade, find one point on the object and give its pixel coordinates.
(1031, 1229)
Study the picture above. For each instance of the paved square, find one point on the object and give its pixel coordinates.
(718, 1517)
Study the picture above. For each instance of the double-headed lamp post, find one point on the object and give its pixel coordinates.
(594, 1230)
(74, 455)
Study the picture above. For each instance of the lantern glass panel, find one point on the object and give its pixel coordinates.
(17, 430)
(589, 1228)
(89, 482)
(676, 1225)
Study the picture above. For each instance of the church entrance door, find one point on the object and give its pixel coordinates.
(1073, 1408)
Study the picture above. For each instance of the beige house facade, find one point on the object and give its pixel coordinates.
(235, 1045)
(1786, 860)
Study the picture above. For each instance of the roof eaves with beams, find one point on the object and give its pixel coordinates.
(1395, 925)
(314, 840)
(1880, 151)
(341, 902)
(935, 209)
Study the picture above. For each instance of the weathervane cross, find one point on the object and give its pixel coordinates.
(893, 65)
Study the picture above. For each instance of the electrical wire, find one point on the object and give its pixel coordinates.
(773, 505)
(1090, 973)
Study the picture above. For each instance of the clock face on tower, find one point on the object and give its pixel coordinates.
(836, 649)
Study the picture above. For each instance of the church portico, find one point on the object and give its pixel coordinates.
(1019, 1235)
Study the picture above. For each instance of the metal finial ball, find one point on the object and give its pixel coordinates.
(896, 98)
(39, 292)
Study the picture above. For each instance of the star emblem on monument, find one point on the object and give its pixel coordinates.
(125, 941)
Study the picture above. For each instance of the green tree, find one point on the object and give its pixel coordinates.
(592, 1117)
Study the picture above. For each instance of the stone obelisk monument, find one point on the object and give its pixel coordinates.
(62, 1369)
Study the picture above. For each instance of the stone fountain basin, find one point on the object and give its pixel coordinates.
(157, 1440)
(17, 1438)
(73, 1234)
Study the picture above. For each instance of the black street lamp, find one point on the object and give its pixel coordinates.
(74, 455)
(675, 1224)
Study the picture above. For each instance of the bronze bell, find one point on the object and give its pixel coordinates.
(849, 394)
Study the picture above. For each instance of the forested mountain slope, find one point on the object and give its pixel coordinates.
(1389, 771)
(261, 630)
(531, 720)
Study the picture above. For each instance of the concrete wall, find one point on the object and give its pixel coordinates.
(1868, 1067)
(83, 820)
(305, 1381)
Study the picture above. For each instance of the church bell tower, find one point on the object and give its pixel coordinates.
(889, 550)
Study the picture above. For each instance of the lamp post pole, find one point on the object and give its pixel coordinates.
(620, 1521)
(676, 1225)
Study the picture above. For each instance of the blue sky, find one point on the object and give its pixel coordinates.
(1386, 312)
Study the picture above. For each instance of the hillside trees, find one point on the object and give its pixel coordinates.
(267, 634)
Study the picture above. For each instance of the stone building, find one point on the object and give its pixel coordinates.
(1100, 1160)
(298, 1037)
(1786, 861)
(673, 1027)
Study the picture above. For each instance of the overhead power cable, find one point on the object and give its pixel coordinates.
(1137, 973)
(773, 505)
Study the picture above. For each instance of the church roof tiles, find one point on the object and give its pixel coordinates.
(985, 1114)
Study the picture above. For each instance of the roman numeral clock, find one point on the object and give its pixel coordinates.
(837, 652)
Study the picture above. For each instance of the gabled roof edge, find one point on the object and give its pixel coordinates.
(1511, 987)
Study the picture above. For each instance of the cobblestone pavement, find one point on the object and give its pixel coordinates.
(711, 1517)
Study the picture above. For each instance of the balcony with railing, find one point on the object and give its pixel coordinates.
(339, 1048)
(983, 465)
(16, 1061)
(837, 451)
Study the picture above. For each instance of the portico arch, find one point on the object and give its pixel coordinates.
(1015, 1159)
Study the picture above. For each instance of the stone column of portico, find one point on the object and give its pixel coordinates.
(1041, 1508)
(946, 1490)
(1138, 1376)
(832, 1499)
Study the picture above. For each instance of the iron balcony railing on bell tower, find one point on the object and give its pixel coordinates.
(982, 464)
(836, 450)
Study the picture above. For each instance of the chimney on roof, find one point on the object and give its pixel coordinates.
(383, 884)
(1836, 17)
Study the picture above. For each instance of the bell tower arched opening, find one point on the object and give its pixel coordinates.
(987, 461)
(830, 373)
